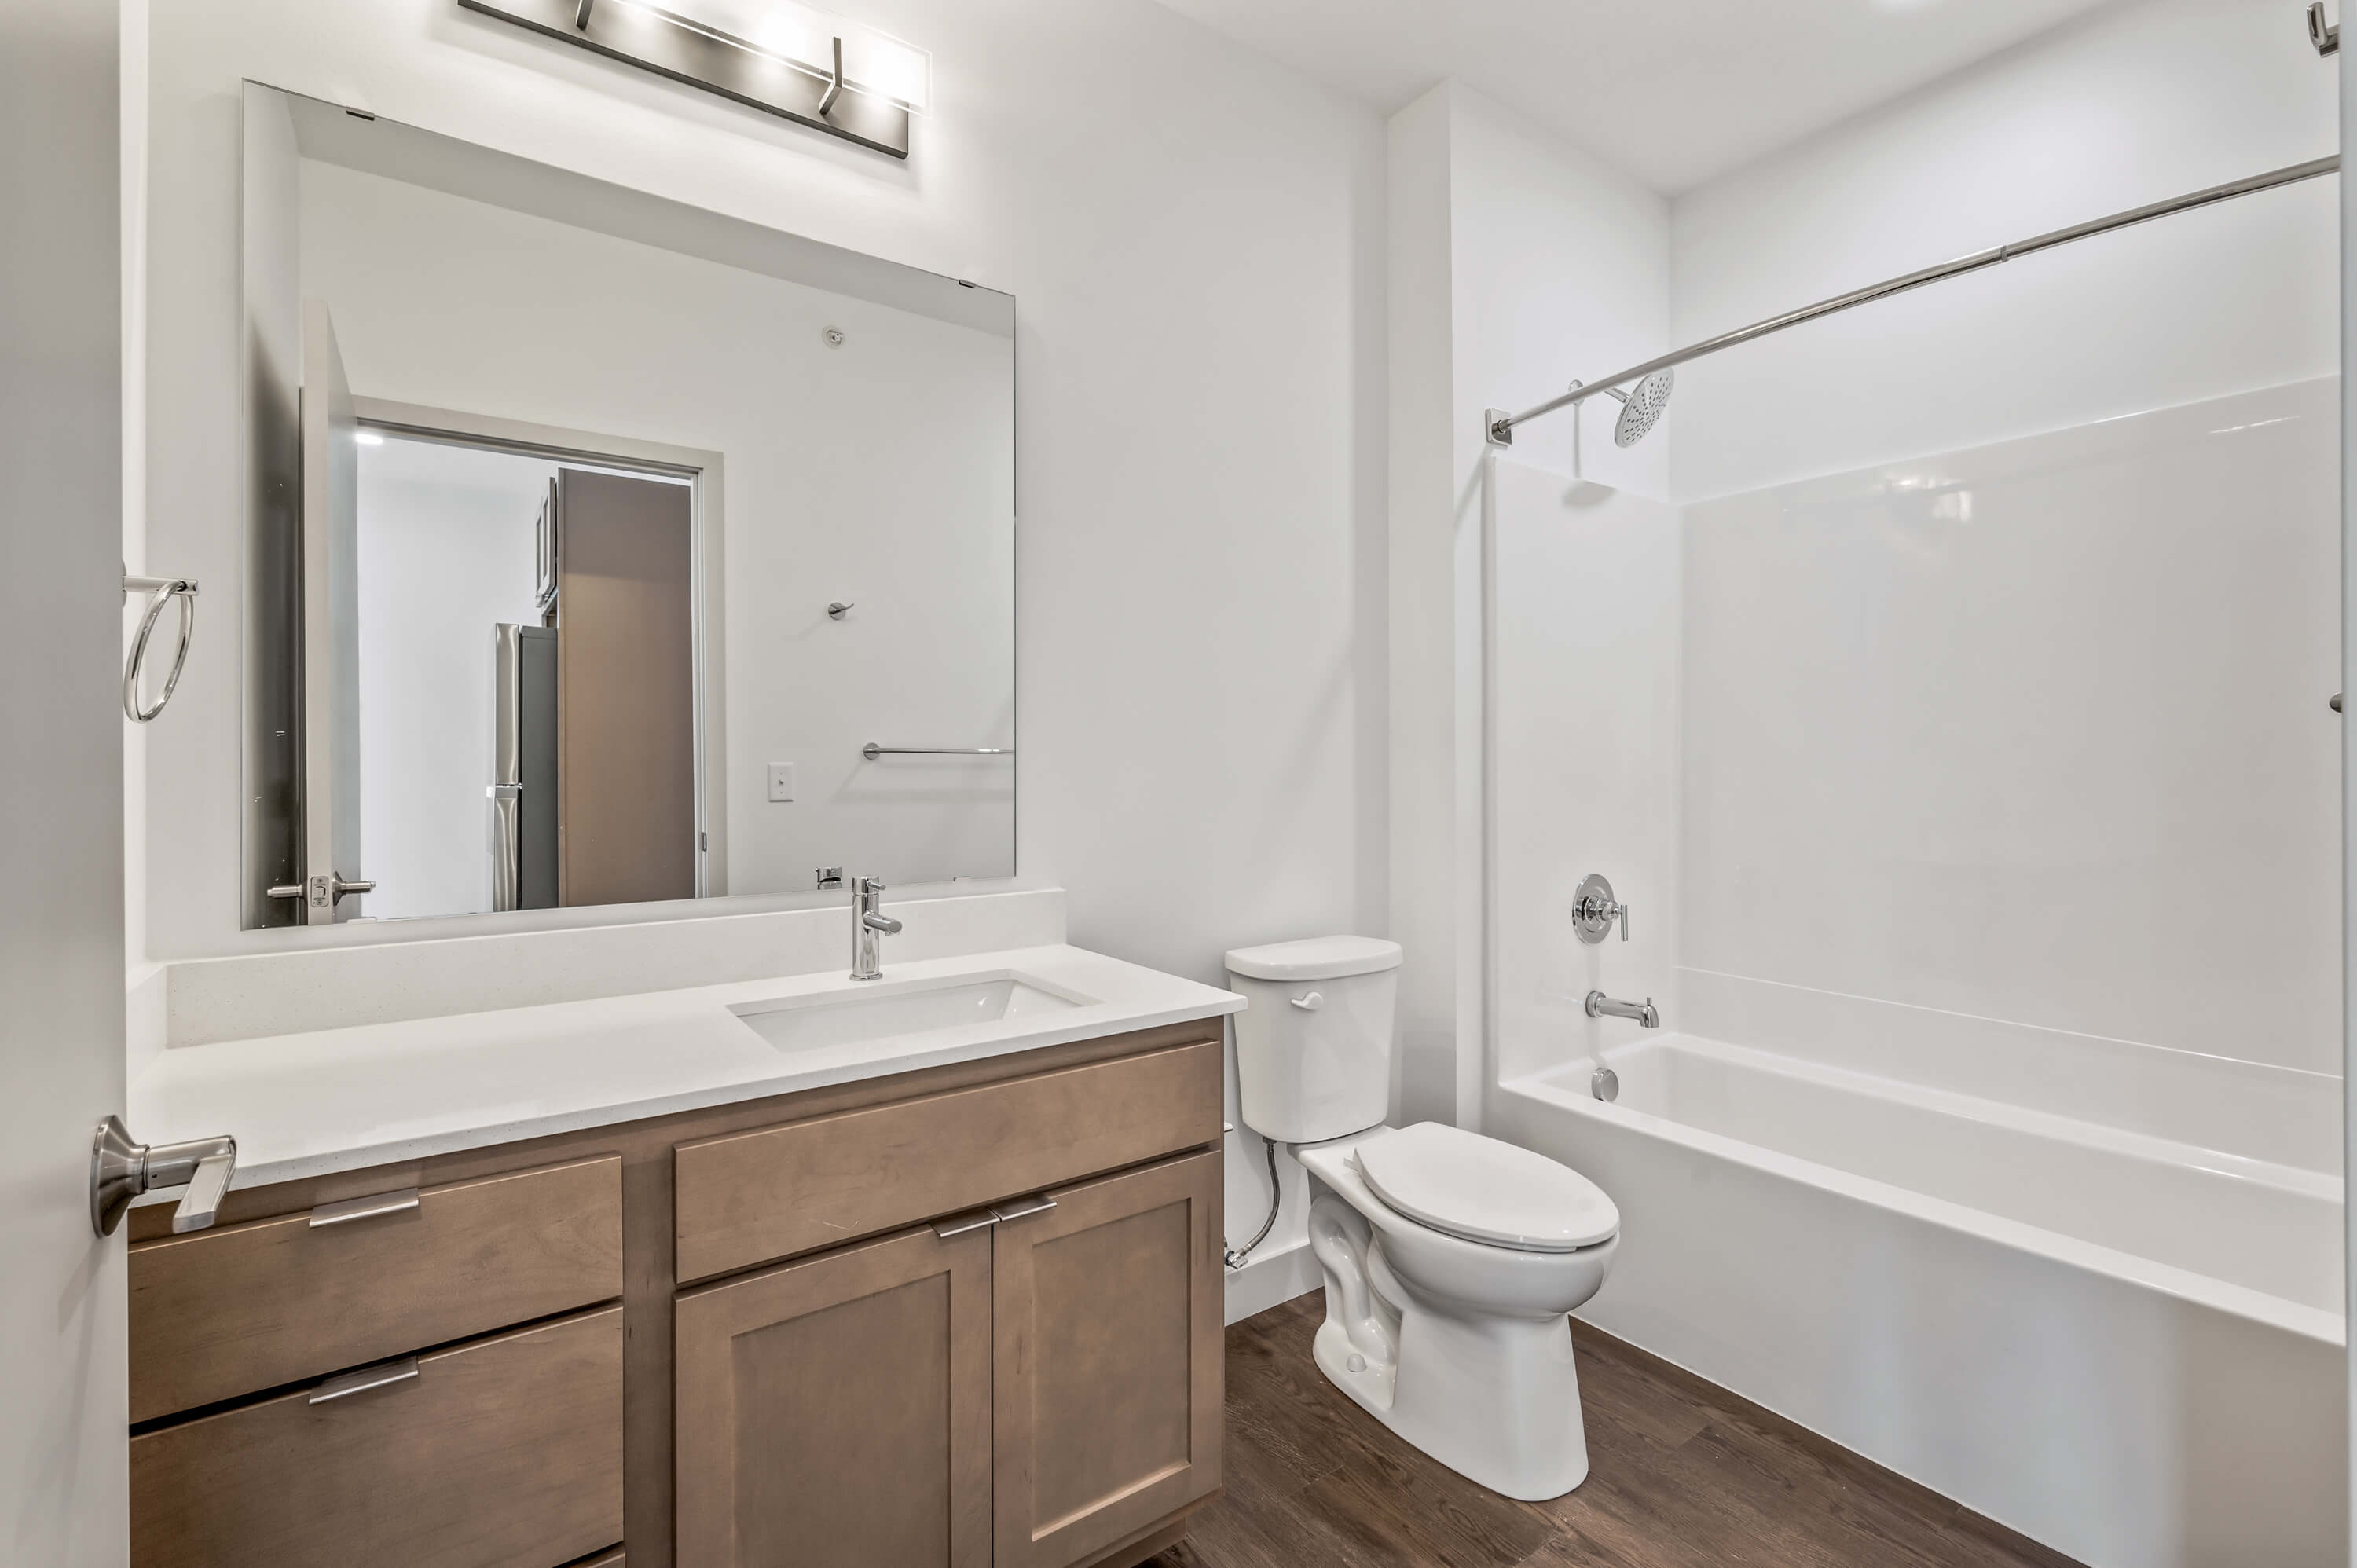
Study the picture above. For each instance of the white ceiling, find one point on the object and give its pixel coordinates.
(1672, 91)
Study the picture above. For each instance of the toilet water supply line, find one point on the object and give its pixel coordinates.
(1236, 1257)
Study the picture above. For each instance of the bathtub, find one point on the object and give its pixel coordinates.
(2122, 1338)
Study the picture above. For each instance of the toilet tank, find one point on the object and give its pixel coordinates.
(1314, 1049)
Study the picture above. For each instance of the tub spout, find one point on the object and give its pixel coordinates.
(1643, 1012)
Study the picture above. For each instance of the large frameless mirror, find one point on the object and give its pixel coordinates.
(605, 550)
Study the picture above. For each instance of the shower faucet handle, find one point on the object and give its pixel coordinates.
(1594, 910)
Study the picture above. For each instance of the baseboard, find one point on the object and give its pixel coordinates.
(1271, 1278)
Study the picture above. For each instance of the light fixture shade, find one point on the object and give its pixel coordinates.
(872, 61)
(780, 59)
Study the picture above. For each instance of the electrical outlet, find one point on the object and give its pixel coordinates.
(781, 783)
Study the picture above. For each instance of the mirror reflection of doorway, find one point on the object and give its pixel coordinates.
(527, 679)
(625, 622)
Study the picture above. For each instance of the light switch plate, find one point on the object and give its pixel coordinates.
(781, 783)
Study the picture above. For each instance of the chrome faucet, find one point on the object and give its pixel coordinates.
(1642, 1013)
(868, 921)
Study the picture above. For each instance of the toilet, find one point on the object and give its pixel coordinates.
(1451, 1261)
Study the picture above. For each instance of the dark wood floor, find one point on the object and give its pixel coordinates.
(1682, 1475)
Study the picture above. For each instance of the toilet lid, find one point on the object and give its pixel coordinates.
(1483, 1191)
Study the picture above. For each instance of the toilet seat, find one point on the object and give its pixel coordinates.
(1480, 1189)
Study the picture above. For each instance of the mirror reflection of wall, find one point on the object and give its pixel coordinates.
(541, 323)
(446, 555)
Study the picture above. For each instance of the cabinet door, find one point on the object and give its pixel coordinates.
(836, 1411)
(1108, 1362)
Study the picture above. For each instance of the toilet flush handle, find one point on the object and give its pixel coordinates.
(1311, 1002)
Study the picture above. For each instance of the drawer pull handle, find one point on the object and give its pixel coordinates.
(367, 1207)
(1024, 1207)
(977, 1219)
(367, 1378)
(958, 1224)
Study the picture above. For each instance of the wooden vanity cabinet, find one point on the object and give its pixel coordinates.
(842, 1316)
(844, 1400)
(1106, 1359)
(220, 1312)
(1033, 1391)
(507, 1449)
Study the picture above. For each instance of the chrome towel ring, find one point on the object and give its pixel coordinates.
(159, 590)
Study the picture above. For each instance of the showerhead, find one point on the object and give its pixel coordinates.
(1640, 409)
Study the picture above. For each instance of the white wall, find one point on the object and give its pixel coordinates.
(1562, 272)
(2133, 104)
(1525, 263)
(1194, 237)
(878, 472)
(447, 553)
(1978, 725)
(1426, 859)
(1512, 257)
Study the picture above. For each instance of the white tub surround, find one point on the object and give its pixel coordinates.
(2126, 1345)
(1960, 732)
(307, 1104)
(1968, 1143)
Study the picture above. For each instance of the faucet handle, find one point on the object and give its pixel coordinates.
(1594, 910)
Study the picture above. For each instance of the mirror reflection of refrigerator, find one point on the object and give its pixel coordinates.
(523, 789)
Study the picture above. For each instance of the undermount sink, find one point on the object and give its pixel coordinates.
(917, 1007)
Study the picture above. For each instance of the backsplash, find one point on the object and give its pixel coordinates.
(251, 995)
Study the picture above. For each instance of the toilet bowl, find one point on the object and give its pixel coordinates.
(1451, 1261)
(1461, 1346)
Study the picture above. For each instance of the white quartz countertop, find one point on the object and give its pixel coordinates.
(336, 1100)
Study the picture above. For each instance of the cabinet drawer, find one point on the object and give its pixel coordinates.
(505, 1452)
(219, 1314)
(752, 1197)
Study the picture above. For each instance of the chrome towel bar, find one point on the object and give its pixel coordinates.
(160, 590)
(871, 751)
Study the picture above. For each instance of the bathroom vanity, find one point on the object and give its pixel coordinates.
(956, 1300)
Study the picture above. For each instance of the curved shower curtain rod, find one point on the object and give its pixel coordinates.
(1501, 426)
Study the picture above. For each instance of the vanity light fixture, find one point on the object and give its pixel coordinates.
(798, 64)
